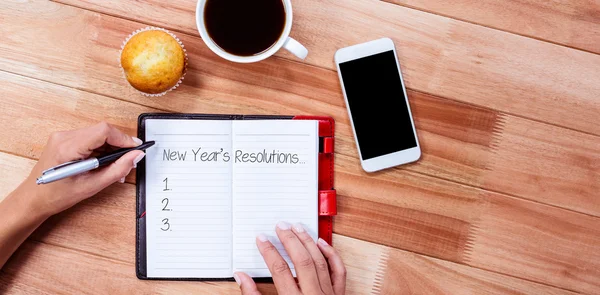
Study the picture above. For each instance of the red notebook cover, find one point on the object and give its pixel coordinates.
(327, 193)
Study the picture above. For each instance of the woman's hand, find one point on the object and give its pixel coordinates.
(23, 210)
(318, 266)
(72, 145)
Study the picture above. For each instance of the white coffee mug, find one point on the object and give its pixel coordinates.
(284, 40)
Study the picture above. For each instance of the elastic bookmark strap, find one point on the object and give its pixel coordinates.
(327, 203)
(327, 147)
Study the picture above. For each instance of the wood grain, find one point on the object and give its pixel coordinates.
(425, 216)
(558, 238)
(438, 55)
(570, 171)
(399, 208)
(88, 250)
(571, 23)
(76, 272)
(406, 273)
(463, 143)
(447, 223)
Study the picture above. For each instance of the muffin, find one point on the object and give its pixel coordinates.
(153, 61)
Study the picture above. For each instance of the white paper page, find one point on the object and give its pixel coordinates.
(265, 193)
(190, 236)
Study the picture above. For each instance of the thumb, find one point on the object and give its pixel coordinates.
(246, 283)
(102, 178)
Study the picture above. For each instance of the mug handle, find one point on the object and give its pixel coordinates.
(295, 48)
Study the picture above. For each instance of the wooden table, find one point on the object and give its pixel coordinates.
(505, 96)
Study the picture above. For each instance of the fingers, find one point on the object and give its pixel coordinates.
(303, 261)
(101, 178)
(280, 271)
(95, 136)
(246, 283)
(338, 270)
(320, 263)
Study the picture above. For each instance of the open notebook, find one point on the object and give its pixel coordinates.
(211, 186)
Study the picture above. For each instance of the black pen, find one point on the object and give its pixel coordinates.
(81, 166)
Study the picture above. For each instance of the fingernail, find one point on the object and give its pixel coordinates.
(138, 159)
(298, 228)
(262, 238)
(237, 279)
(282, 225)
(122, 180)
(322, 242)
(137, 141)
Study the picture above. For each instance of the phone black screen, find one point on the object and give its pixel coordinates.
(378, 105)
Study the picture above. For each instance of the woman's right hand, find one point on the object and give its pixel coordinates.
(72, 145)
(318, 266)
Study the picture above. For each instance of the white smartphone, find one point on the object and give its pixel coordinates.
(377, 105)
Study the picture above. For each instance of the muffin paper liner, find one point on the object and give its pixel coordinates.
(174, 37)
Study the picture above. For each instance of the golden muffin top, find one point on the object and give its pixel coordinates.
(153, 61)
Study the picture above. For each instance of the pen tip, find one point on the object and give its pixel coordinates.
(38, 181)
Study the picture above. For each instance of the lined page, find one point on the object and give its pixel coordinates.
(275, 178)
(188, 199)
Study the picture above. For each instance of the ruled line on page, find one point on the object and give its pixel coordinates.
(192, 134)
(273, 134)
(204, 268)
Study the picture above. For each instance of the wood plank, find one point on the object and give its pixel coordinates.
(503, 243)
(407, 273)
(438, 55)
(68, 252)
(55, 269)
(570, 23)
(462, 143)
(570, 169)
(399, 208)
(420, 215)
(552, 234)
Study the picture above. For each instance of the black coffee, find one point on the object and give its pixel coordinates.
(244, 27)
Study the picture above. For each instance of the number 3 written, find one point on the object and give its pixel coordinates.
(166, 223)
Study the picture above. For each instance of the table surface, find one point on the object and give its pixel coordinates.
(505, 199)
